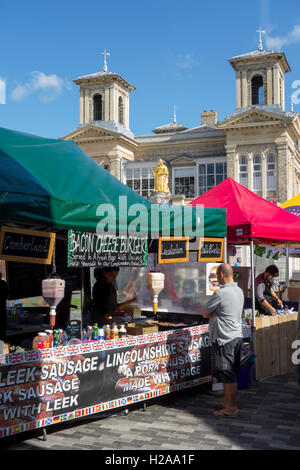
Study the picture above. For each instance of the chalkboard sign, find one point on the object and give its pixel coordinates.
(73, 329)
(211, 249)
(27, 246)
(173, 250)
(88, 249)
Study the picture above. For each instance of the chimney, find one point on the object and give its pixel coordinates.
(209, 118)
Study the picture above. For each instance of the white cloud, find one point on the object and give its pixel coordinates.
(48, 87)
(20, 92)
(277, 42)
(184, 61)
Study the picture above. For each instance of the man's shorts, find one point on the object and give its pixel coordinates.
(226, 360)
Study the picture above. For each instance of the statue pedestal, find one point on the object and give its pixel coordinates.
(178, 199)
(160, 197)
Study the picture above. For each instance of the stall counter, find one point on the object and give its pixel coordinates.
(49, 386)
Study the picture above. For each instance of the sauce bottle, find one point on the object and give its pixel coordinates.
(122, 332)
(106, 329)
(114, 332)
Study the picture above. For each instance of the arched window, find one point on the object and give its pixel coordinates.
(97, 101)
(257, 85)
(271, 172)
(121, 110)
(257, 178)
(243, 170)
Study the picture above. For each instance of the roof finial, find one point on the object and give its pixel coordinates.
(174, 114)
(105, 63)
(292, 104)
(260, 44)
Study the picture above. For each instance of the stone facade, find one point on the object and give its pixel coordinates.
(261, 135)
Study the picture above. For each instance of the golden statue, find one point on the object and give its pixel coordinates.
(161, 177)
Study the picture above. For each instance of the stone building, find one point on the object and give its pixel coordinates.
(258, 145)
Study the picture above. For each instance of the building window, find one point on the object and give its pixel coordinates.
(140, 179)
(211, 174)
(271, 172)
(243, 170)
(184, 181)
(97, 101)
(257, 85)
(257, 175)
(121, 111)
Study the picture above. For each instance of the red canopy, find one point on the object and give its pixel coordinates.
(250, 216)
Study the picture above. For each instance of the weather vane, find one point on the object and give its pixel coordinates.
(105, 63)
(260, 44)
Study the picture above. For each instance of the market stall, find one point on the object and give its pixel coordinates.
(292, 205)
(253, 220)
(52, 186)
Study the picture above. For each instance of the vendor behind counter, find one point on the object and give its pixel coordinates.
(265, 297)
(104, 295)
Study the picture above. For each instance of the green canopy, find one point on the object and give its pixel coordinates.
(52, 184)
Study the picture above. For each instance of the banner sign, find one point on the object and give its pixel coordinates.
(26, 246)
(275, 252)
(44, 387)
(88, 249)
(211, 249)
(173, 249)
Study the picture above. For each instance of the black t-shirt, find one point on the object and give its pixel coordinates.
(104, 296)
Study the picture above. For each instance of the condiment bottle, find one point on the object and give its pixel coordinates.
(100, 334)
(95, 331)
(35, 342)
(42, 340)
(114, 332)
(49, 338)
(122, 332)
(106, 329)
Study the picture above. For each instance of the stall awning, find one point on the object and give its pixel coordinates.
(52, 184)
(250, 216)
(292, 205)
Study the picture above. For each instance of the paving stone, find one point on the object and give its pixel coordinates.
(269, 419)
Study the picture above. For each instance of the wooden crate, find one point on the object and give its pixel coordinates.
(274, 338)
(141, 329)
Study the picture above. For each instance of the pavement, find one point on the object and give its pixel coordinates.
(269, 419)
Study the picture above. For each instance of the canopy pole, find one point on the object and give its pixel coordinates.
(253, 331)
(287, 265)
(225, 257)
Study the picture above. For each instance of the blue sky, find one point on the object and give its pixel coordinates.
(173, 52)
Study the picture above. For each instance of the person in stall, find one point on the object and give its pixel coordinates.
(104, 295)
(238, 262)
(265, 297)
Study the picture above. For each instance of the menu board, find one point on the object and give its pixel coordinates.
(87, 249)
(27, 246)
(211, 249)
(173, 249)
